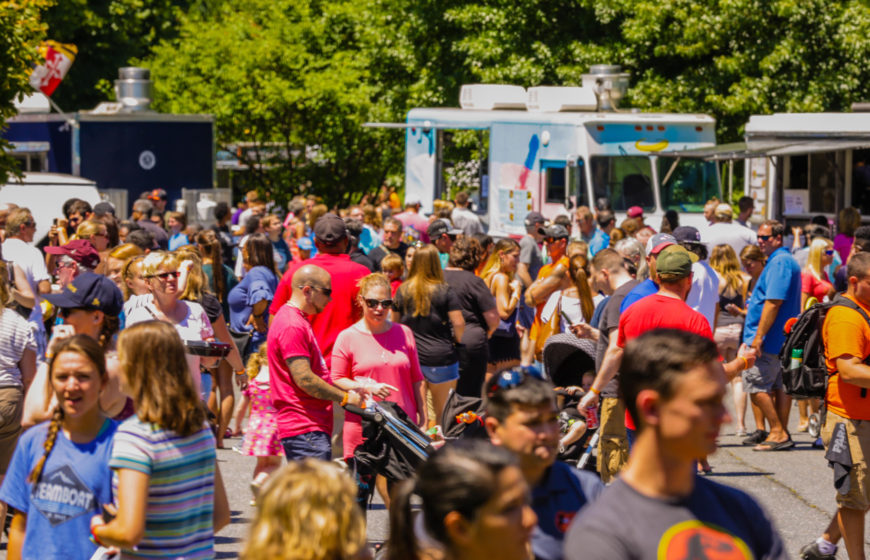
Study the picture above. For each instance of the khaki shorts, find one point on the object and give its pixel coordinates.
(613, 443)
(858, 434)
(11, 409)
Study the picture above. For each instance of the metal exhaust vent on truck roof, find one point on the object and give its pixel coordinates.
(488, 97)
(133, 89)
(609, 83)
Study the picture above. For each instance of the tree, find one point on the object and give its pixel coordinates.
(21, 31)
(108, 35)
(290, 79)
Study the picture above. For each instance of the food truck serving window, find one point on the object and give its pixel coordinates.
(624, 180)
(687, 184)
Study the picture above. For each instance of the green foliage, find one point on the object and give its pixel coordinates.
(293, 80)
(21, 31)
(108, 35)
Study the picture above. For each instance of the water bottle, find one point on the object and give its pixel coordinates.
(797, 359)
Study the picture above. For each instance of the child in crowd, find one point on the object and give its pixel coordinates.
(393, 267)
(573, 421)
(261, 438)
(59, 475)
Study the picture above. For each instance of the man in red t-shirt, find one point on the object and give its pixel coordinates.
(330, 237)
(302, 389)
(665, 309)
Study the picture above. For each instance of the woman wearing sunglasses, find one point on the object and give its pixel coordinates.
(160, 270)
(378, 356)
(814, 277)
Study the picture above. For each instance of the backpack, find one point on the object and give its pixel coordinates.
(810, 378)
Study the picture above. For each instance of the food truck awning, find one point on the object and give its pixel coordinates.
(769, 148)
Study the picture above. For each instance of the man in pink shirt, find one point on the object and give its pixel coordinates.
(411, 218)
(330, 237)
(302, 389)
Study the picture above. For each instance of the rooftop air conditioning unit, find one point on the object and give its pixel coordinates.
(547, 99)
(488, 97)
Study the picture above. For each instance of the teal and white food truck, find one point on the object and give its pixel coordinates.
(552, 149)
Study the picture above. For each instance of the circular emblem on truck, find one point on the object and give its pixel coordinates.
(147, 160)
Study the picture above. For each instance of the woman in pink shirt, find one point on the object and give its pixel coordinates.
(379, 356)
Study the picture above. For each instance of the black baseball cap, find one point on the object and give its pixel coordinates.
(439, 227)
(89, 291)
(554, 231)
(329, 229)
(687, 234)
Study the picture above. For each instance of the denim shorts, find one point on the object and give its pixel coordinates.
(441, 374)
(311, 444)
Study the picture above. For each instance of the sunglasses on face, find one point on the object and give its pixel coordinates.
(374, 303)
(325, 291)
(829, 252)
(509, 379)
(65, 312)
(765, 237)
(166, 275)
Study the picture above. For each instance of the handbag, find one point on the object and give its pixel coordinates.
(242, 339)
(548, 329)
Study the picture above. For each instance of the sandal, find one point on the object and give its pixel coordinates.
(774, 445)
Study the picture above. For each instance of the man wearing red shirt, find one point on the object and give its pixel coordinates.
(665, 309)
(330, 238)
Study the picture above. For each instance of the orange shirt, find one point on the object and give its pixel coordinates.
(845, 332)
(544, 272)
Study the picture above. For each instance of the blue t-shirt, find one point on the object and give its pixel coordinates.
(599, 241)
(282, 254)
(258, 284)
(780, 279)
(645, 288)
(556, 499)
(75, 481)
(177, 240)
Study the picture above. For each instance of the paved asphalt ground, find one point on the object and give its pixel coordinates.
(794, 486)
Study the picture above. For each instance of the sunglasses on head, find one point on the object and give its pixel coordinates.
(510, 378)
(374, 303)
(166, 275)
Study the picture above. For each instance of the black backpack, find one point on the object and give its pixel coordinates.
(810, 380)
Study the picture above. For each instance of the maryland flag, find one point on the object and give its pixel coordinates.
(58, 58)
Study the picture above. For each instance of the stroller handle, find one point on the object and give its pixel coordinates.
(372, 415)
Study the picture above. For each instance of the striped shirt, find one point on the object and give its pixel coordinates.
(179, 513)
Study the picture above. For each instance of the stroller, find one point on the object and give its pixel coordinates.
(393, 446)
(566, 358)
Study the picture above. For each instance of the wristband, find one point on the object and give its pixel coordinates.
(745, 362)
(240, 372)
(594, 390)
(95, 538)
(344, 399)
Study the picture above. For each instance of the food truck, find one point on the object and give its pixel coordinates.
(552, 149)
(800, 165)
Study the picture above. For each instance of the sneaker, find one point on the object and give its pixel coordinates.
(755, 437)
(814, 427)
(811, 552)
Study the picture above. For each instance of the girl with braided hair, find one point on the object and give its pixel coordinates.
(59, 475)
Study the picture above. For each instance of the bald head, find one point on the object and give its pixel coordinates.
(311, 289)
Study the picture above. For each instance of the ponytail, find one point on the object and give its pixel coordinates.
(402, 544)
(50, 439)
(211, 248)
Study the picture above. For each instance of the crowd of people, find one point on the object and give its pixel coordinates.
(133, 349)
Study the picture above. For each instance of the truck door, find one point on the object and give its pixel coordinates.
(563, 187)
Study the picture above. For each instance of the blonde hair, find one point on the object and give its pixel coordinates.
(88, 229)
(493, 263)
(154, 261)
(425, 276)
(126, 272)
(580, 277)
(197, 282)
(814, 261)
(257, 360)
(126, 251)
(307, 510)
(373, 280)
(393, 263)
(724, 260)
(155, 371)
